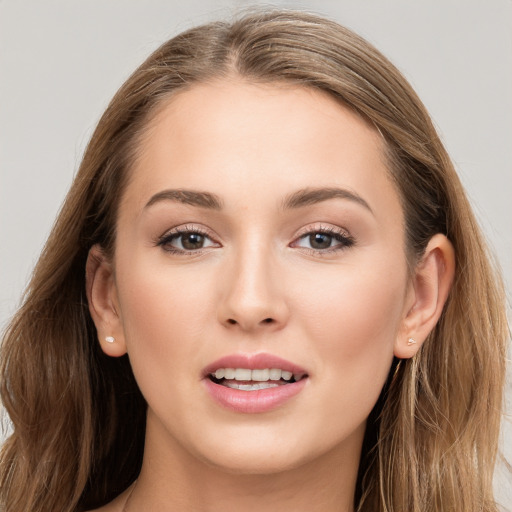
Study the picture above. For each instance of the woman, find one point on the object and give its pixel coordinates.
(266, 288)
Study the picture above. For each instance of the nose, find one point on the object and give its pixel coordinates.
(253, 296)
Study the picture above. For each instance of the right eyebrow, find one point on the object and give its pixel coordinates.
(190, 197)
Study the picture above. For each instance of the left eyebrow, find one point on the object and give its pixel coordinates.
(309, 196)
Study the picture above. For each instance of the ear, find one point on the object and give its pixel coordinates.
(103, 304)
(428, 291)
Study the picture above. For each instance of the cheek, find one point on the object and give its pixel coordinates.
(162, 313)
(354, 320)
(153, 296)
(361, 307)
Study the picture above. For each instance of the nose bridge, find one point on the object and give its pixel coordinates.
(253, 296)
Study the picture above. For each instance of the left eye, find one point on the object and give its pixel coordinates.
(187, 241)
(320, 240)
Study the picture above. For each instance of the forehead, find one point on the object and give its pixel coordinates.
(258, 140)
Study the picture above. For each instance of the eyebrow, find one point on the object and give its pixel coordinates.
(190, 197)
(298, 199)
(309, 196)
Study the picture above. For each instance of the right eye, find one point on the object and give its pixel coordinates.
(183, 241)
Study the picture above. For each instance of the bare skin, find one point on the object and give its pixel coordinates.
(320, 280)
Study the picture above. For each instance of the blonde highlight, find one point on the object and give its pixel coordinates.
(432, 439)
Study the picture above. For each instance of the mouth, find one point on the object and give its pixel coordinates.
(253, 383)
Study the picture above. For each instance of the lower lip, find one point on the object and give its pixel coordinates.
(251, 402)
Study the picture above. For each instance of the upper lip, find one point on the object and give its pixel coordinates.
(253, 362)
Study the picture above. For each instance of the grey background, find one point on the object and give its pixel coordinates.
(61, 61)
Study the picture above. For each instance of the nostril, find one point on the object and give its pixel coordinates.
(232, 321)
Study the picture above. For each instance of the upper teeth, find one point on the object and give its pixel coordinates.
(254, 375)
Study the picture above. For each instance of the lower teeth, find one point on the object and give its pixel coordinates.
(249, 387)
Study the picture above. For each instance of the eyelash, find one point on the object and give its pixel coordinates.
(178, 232)
(340, 235)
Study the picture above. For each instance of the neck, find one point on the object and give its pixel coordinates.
(172, 479)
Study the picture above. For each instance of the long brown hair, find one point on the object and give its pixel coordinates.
(78, 416)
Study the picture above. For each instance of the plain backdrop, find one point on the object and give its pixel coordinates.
(61, 61)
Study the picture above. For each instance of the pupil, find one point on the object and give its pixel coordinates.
(320, 240)
(192, 241)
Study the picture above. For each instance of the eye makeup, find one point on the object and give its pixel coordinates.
(186, 240)
(324, 240)
(192, 240)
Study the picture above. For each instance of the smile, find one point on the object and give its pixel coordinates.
(246, 388)
(253, 380)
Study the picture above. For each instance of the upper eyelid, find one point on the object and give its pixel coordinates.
(304, 231)
(188, 228)
(343, 235)
(322, 228)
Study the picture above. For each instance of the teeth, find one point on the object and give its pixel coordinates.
(274, 374)
(229, 373)
(251, 387)
(242, 374)
(258, 375)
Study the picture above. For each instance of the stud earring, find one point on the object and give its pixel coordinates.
(110, 339)
(411, 341)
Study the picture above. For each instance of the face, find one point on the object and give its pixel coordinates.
(259, 231)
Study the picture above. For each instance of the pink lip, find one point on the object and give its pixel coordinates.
(251, 402)
(253, 362)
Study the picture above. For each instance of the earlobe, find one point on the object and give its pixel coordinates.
(103, 305)
(429, 289)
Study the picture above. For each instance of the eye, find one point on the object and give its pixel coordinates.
(320, 240)
(324, 240)
(186, 240)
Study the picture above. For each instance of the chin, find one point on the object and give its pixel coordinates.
(256, 452)
(267, 463)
